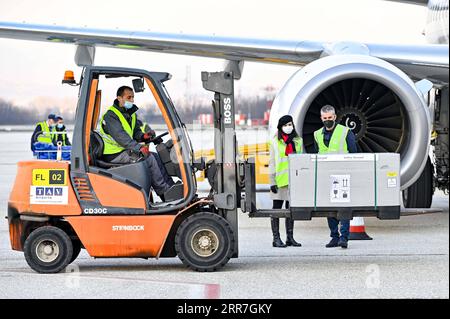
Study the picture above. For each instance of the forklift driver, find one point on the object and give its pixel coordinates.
(121, 136)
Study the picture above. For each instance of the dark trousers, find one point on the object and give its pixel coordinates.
(275, 222)
(333, 224)
(156, 174)
(277, 204)
(161, 166)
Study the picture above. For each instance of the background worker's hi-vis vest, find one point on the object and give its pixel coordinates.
(63, 136)
(281, 159)
(46, 136)
(338, 142)
(111, 146)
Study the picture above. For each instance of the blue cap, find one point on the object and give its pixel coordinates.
(52, 117)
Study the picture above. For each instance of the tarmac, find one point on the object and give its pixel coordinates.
(407, 258)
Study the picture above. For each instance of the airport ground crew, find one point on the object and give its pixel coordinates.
(338, 139)
(61, 133)
(43, 131)
(286, 141)
(122, 137)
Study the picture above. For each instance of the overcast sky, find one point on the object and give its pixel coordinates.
(30, 71)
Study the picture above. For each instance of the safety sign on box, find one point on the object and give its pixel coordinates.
(340, 188)
(49, 187)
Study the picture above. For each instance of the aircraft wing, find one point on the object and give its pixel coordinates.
(418, 61)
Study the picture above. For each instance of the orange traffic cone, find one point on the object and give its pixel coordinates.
(358, 230)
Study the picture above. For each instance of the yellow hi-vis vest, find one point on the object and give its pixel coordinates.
(281, 160)
(110, 145)
(338, 142)
(63, 135)
(143, 127)
(46, 136)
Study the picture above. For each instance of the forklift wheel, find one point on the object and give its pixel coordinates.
(76, 244)
(48, 249)
(204, 242)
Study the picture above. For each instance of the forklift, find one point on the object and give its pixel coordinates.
(56, 208)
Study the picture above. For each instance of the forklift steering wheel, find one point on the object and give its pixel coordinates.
(158, 137)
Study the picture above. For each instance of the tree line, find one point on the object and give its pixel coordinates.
(11, 114)
(189, 112)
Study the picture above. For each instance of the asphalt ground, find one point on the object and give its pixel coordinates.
(407, 258)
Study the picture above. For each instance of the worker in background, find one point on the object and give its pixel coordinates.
(43, 131)
(145, 128)
(286, 141)
(335, 138)
(60, 133)
(122, 137)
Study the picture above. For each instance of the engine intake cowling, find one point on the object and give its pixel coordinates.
(372, 97)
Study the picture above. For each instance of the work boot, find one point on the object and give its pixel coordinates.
(290, 241)
(277, 242)
(343, 242)
(333, 243)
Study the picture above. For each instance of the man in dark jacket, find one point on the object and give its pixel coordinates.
(334, 138)
(43, 131)
(60, 133)
(122, 137)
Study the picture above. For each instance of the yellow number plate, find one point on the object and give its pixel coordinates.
(49, 177)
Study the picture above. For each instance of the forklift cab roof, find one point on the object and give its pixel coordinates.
(116, 72)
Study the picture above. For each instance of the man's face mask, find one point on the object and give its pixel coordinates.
(128, 105)
(328, 119)
(329, 123)
(60, 125)
(288, 128)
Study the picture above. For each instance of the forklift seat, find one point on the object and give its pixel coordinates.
(135, 173)
(96, 151)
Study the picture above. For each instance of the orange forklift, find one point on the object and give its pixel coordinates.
(56, 208)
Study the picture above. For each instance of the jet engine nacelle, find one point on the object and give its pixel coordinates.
(375, 99)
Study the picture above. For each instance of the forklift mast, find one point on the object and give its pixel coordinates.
(227, 194)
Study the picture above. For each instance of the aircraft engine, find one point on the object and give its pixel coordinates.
(379, 102)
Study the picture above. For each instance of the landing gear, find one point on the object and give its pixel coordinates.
(420, 194)
(204, 242)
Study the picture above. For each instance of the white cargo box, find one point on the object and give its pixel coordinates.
(345, 183)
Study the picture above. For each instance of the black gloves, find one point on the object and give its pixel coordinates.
(274, 189)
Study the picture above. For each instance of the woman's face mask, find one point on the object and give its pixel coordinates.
(288, 128)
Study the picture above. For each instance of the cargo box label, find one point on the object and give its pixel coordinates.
(392, 182)
(340, 188)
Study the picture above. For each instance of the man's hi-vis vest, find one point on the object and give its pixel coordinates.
(63, 137)
(110, 145)
(281, 159)
(143, 127)
(338, 142)
(46, 136)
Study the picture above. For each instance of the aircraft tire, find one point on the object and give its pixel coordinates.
(420, 194)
